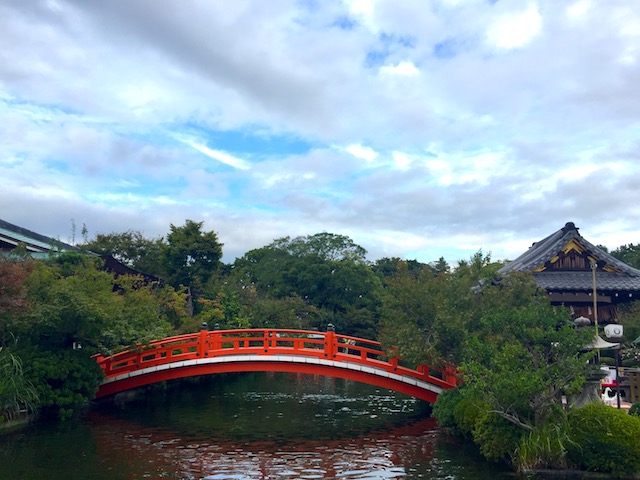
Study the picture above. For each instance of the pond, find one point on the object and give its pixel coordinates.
(247, 426)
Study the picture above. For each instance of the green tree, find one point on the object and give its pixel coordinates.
(73, 301)
(520, 360)
(191, 256)
(629, 254)
(519, 356)
(409, 315)
(327, 246)
(131, 248)
(69, 309)
(328, 272)
(388, 267)
(441, 266)
(426, 313)
(629, 317)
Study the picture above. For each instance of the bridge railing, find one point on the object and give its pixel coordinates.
(217, 343)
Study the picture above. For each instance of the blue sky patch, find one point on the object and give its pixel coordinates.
(446, 49)
(345, 23)
(245, 141)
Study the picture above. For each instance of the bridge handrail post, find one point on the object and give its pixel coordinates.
(138, 360)
(103, 362)
(266, 342)
(450, 374)
(330, 344)
(203, 344)
(394, 362)
(393, 357)
(216, 340)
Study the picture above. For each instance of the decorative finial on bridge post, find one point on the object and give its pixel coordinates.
(331, 327)
(204, 326)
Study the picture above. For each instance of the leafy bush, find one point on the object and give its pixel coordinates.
(64, 379)
(607, 360)
(496, 436)
(444, 408)
(604, 439)
(635, 410)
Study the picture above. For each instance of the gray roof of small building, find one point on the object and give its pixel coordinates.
(623, 278)
(35, 243)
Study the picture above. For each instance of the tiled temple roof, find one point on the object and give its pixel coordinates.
(611, 274)
(583, 281)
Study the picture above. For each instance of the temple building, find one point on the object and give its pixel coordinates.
(571, 269)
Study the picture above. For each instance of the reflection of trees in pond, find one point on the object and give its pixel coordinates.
(389, 451)
(218, 428)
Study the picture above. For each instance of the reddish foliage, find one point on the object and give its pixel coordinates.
(12, 288)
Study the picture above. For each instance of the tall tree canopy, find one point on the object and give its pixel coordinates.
(328, 272)
(72, 300)
(131, 248)
(191, 256)
(629, 254)
(326, 246)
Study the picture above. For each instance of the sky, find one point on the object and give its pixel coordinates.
(420, 129)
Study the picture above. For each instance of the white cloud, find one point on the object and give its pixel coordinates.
(401, 160)
(404, 68)
(442, 169)
(218, 155)
(362, 152)
(578, 10)
(515, 30)
(222, 157)
(363, 9)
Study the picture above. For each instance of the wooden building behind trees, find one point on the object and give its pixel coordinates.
(565, 264)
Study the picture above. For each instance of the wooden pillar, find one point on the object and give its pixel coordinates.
(203, 343)
(330, 344)
(450, 375)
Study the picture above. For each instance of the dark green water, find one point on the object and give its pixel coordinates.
(247, 426)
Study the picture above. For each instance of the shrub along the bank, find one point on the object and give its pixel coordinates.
(65, 380)
(594, 437)
(604, 439)
(495, 436)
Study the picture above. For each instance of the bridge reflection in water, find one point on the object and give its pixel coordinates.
(249, 426)
(273, 350)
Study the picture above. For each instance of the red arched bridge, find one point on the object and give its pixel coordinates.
(300, 351)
